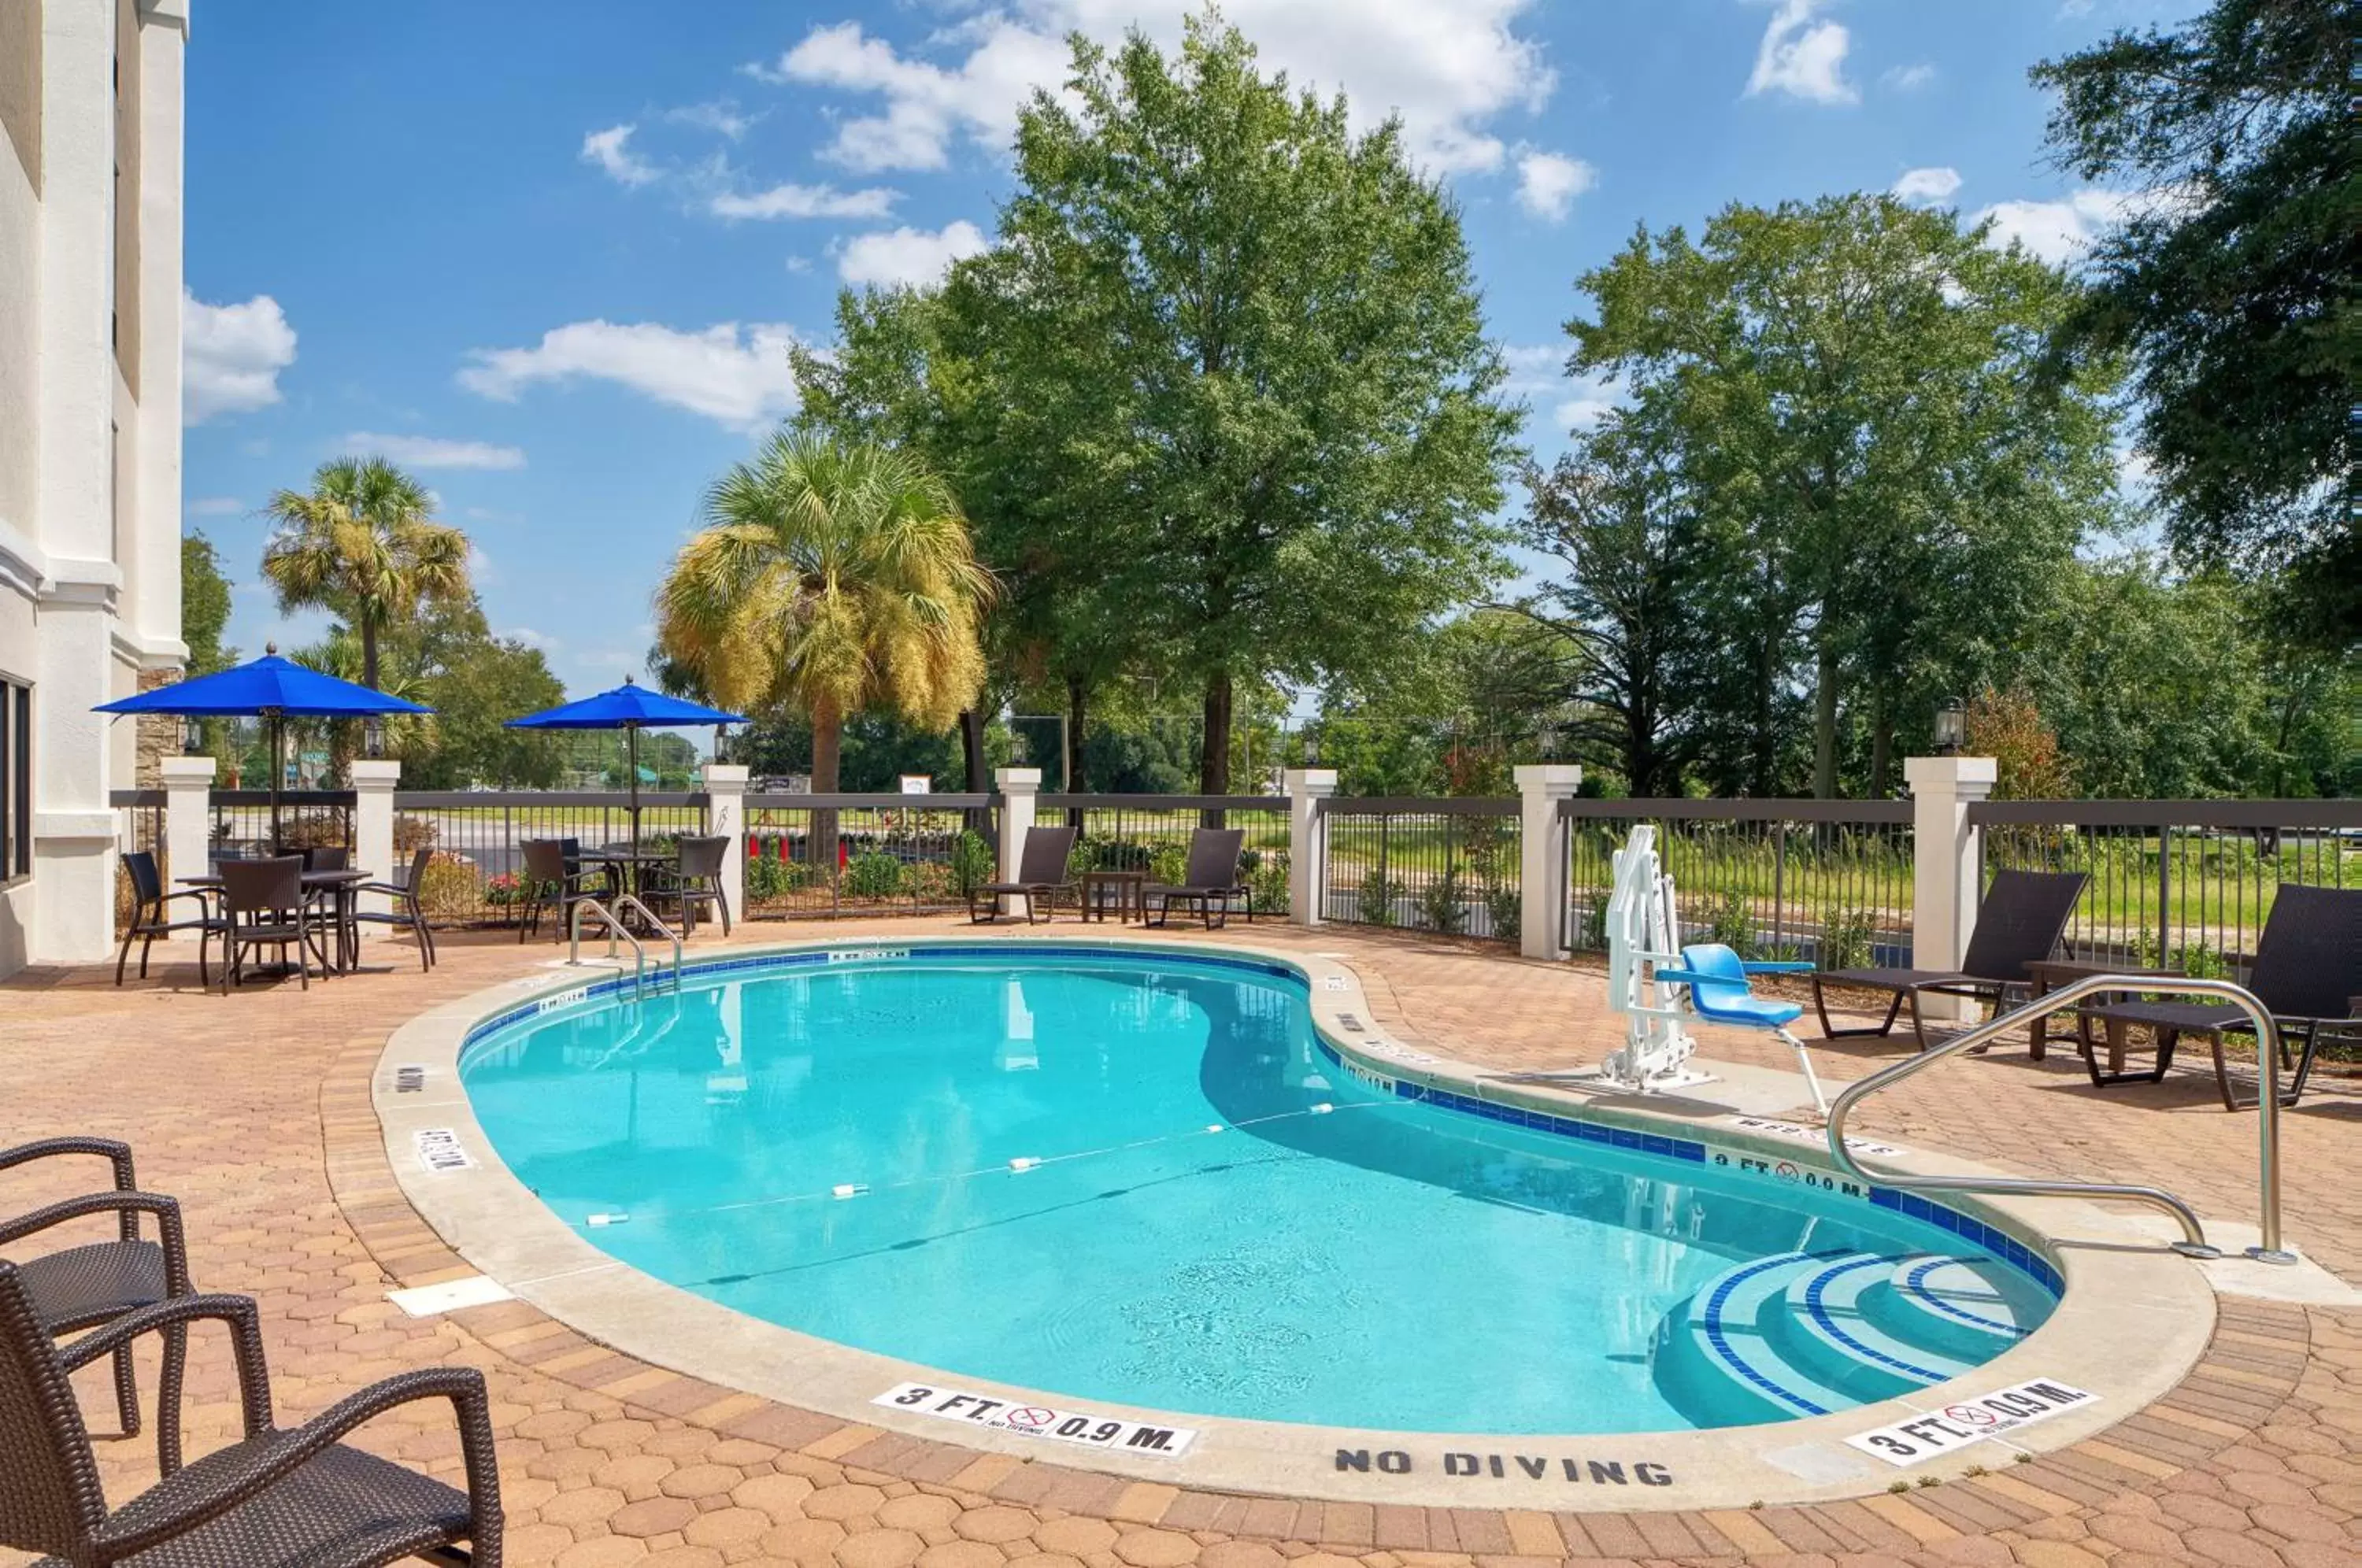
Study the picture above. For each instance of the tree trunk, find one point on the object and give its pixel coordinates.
(828, 733)
(368, 653)
(1214, 755)
(1824, 722)
(1766, 744)
(977, 781)
(1078, 782)
(1882, 744)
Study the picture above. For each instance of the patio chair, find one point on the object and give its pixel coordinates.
(2020, 923)
(1041, 877)
(1212, 879)
(555, 877)
(278, 1499)
(328, 857)
(407, 910)
(2308, 972)
(694, 878)
(151, 917)
(263, 905)
(82, 1286)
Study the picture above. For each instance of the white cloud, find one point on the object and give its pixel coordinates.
(799, 263)
(532, 638)
(913, 257)
(1934, 185)
(1595, 397)
(2056, 232)
(231, 355)
(1802, 56)
(214, 506)
(610, 149)
(721, 117)
(1907, 78)
(432, 451)
(1533, 368)
(1548, 183)
(1448, 67)
(805, 202)
(738, 377)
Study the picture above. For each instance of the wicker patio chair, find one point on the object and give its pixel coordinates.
(151, 915)
(292, 1498)
(1040, 876)
(407, 912)
(555, 878)
(1212, 880)
(2023, 915)
(693, 880)
(82, 1286)
(264, 905)
(2308, 972)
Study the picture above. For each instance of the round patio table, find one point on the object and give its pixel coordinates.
(339, 886)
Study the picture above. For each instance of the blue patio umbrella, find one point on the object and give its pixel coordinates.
(270, 688)
(626, 708)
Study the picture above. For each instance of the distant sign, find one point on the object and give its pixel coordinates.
(918, 784)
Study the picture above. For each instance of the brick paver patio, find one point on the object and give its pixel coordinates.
(255, 1110)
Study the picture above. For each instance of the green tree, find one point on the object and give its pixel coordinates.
(360, 545)
(1244, 351)
(830, 580)
(1850, 388)
(204, 605)
(2234, 288)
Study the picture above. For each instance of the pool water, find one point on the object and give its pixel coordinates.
(1329, 1254)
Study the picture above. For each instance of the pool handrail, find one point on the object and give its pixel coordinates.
(616, 928)
(2193, 1242)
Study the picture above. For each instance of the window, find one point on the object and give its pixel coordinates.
(16, 782)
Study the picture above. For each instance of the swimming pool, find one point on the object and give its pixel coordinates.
(1144, 1178)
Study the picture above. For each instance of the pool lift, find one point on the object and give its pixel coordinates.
(1659, 987)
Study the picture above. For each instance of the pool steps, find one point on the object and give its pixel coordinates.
(1806, 1333)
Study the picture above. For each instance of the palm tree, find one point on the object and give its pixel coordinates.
(360, 543)
(829, 579)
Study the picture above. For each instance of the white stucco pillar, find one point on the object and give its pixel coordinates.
(1944, 882)
(154, 543)
(188, 823)
(373, 782)
(73, 773)
(1018, 786)
(1541, 871)
(1308, 839)
(726, 816)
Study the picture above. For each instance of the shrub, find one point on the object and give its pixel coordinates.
(1441, 907)
(1845, 937)
(1267, 884)
(1507, 911)
(872, 875)
(1734, 924)
(410, 834)
(769, 877)
(931, 882)
(508, 887)
(1169, 863)
(1375, 903)
(971, 863)
(454, 889)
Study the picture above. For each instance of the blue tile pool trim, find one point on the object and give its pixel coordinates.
(1817, 1308)
(1734, 1362)
(1991, 1239)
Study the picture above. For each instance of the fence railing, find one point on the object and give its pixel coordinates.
(308, 819)
(1825, 880)
(822, 856)
(2181, 884)
(478, 874)
(1451, 866)
(138, 825)
(1151, 834)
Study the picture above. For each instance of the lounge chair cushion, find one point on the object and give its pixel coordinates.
(2187, 1018)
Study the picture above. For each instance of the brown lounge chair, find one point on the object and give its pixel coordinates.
(1212, 879)
(2020, 923)
(1041, 877)
(2308, 971)
(79, 1287)
(295, 1498)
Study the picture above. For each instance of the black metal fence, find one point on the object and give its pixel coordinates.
(822, 856)
(1151, 834)
(1825, 880)
(308, 819)
(1450, 866)
(2183, 884)
(476, 876)
(138, 825)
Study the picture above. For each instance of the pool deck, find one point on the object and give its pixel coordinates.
(256, 1109)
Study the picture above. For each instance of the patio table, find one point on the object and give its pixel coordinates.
(2047, 975)
(1127, 885)
(627, 866)
(339, 886)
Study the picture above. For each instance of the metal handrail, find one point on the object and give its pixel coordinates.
(2193, 1242)
(616, 928)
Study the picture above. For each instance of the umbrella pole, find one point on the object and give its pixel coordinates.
(278, 767)
(632, 766)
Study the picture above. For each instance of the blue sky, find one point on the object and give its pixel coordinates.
(549, 257)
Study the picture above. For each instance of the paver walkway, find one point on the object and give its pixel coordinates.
(255, 1110)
